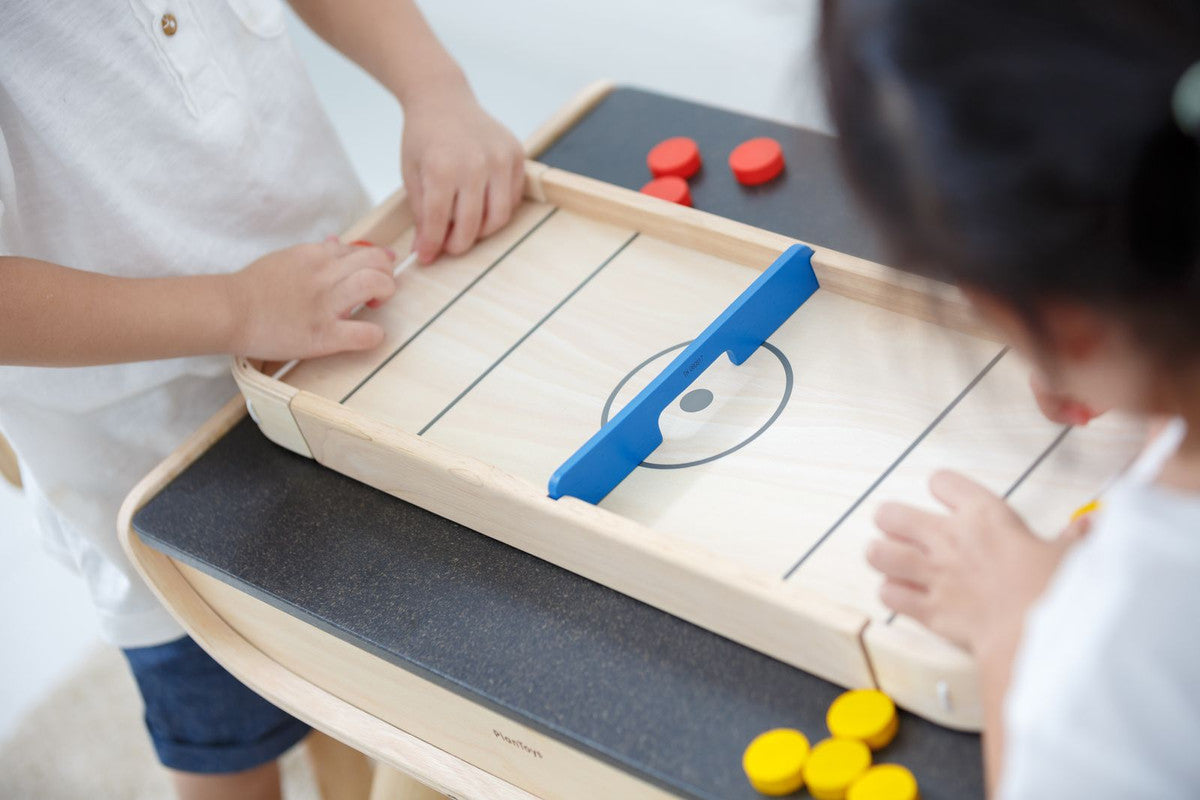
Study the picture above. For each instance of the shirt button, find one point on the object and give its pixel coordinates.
(169, 24)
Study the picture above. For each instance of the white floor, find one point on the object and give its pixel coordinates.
(525, 58)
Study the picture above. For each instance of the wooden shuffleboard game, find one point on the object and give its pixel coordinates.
(752, 516)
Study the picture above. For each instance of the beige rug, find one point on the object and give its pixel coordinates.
(86, 741)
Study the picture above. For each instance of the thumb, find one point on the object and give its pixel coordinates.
(1076, 530)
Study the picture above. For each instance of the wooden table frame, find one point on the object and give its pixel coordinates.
(204, 606)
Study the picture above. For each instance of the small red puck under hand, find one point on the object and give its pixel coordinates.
(679, 156)
(756, 161)
(670, 187)
(361, 243)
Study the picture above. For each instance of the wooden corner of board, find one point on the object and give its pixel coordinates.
(249, 370)
(268, 402)
(534, 171)
(924, 673)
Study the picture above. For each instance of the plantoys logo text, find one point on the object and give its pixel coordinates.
(517, 743)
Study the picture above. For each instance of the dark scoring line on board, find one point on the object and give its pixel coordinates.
(452, 301)
(528, 333)
(1037, 462)
(892, 467)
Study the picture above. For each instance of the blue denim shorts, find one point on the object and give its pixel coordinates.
(201, 718)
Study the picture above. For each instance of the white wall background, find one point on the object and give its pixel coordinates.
(525, 59)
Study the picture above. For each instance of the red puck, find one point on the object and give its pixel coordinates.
(756, 161)
(678, 156)
(361, 243)
(671, 188)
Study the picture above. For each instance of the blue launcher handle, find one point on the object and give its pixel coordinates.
(632, 435)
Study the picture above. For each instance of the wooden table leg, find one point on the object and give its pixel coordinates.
(392, 784)
(342, 772)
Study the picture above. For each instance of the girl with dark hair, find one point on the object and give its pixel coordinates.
(1045, 158)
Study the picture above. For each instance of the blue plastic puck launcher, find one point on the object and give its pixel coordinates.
(633, 434)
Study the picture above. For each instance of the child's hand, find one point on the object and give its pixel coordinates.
(464, 172)
(970, 574)
(1058, 407)
(295, 303)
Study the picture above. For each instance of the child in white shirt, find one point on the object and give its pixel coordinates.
(1045, 157)
(149, 152)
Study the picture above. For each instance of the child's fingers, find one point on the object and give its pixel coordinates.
(517, 187)
(899, 561)
(333, 247)
(505, 190)
(377, 259)
(1076, 530)
(955, 491)
(468, 215)
(499, 205)
(353, 334)
(314, 254)
(906, 599)
(416, 201)
(436, 207)
(360, 288)
(908, 524)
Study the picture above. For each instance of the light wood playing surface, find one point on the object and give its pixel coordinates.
(510, 354)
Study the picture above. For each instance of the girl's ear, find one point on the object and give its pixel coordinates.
(1063, 332)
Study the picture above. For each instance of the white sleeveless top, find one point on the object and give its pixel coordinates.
(128, 151)
(1105, 697)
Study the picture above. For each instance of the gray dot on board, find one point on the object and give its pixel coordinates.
(696, 400)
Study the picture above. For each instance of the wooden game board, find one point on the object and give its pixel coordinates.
(752, 517)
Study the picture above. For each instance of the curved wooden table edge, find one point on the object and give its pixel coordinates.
(299, 697)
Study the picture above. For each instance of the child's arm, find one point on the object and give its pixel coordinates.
(289, 304)
(971, 575)
(463, 170)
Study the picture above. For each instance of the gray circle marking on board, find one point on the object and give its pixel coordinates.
(788, 380)
(696, 400)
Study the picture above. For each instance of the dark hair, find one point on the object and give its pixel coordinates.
(1028, 148)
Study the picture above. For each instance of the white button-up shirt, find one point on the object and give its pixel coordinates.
(1105, 696)
(145, 138)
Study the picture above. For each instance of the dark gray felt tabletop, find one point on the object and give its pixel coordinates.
(620, 680)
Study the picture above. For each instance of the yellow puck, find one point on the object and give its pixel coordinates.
(774, 761)
(833, 765)
(867, 715)
(1085, 509)
(885, 782)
